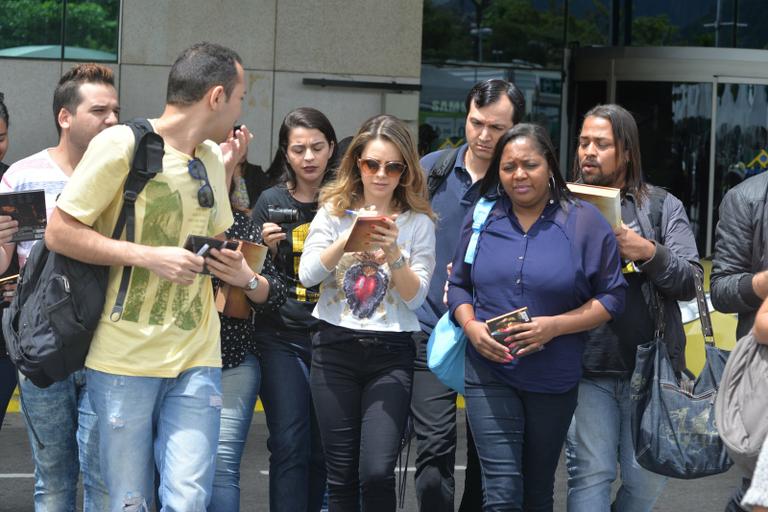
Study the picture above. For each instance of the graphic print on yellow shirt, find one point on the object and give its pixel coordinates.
(165, 328)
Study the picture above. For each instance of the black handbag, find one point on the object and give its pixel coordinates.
(673, 416)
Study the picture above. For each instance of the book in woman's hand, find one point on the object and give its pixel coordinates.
(499, 325)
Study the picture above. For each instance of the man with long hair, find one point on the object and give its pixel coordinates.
(659, 252)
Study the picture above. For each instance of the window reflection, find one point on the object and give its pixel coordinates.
(741, 136)
(674, 121)
(83, 30)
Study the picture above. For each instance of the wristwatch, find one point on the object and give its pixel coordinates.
(252, 284)
(399, 262)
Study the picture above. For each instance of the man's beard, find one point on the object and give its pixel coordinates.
(597, 178)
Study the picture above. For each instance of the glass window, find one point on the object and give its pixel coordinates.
(56, 29)
(741, 137)
(674, 120)
(719, 23)
(589, 22)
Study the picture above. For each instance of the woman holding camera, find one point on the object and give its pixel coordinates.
(560, 260)
(362, 360)
(307, 143)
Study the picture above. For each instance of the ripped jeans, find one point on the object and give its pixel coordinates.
(171, 423)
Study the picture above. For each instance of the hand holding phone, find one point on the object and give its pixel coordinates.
(202, 245)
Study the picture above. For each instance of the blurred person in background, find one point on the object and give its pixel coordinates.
(7, 370)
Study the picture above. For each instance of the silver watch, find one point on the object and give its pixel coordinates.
(399, 262)
(252, 284)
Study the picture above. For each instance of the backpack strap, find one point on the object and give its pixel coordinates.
(440, 170)
(479, 216)
(656, 200)
(146, 163)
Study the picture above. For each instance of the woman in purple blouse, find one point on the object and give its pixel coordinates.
(556, 255)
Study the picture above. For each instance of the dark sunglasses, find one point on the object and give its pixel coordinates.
(371, 166)
(197, 171)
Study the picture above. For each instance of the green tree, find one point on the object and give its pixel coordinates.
(654, 31)
(444, 34)
(89, 24)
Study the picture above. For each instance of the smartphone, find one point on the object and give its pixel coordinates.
(195, 243)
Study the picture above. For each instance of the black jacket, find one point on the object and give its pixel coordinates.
(740, 250)
(671, 270)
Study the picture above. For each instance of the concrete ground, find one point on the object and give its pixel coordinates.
(16, 481)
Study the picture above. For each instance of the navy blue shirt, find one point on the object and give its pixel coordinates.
(566, 258)
(455, 196)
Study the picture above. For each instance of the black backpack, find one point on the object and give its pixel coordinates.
(59, 301)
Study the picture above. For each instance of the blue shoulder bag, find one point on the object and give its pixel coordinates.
(447, 343)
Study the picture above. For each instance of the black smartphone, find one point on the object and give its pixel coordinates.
(202, 245)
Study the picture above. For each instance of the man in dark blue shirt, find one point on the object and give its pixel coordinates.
(493, 107)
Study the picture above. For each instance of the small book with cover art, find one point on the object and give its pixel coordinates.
(28, 208)
(498, 325)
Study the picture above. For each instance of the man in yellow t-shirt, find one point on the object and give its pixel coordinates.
(154, 376)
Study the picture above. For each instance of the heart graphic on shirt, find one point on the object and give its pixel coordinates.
(365, 285)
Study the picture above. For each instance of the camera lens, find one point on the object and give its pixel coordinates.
(280, 215)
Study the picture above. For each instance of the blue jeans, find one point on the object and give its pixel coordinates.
(240, 387)
(168, 423)
(519, 436)
(296, 463)
(600, 436)
(62, 419)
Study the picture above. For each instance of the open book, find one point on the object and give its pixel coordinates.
(606, 199)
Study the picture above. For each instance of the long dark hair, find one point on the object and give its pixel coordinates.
(311, 119)
(543, 145)
(626, 140)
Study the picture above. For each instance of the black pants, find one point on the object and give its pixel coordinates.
(433, 406)
(361, 388)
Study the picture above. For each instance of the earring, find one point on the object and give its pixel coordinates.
(498, 189)
(552, 188)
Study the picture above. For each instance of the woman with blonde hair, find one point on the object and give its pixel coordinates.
(362, 359)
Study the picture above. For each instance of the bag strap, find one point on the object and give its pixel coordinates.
(440, 170)
(147, 162)
(479, 216)
(701, 302)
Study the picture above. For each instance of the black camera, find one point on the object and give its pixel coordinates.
(280, 215)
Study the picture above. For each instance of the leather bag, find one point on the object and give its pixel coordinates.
(741, 408)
